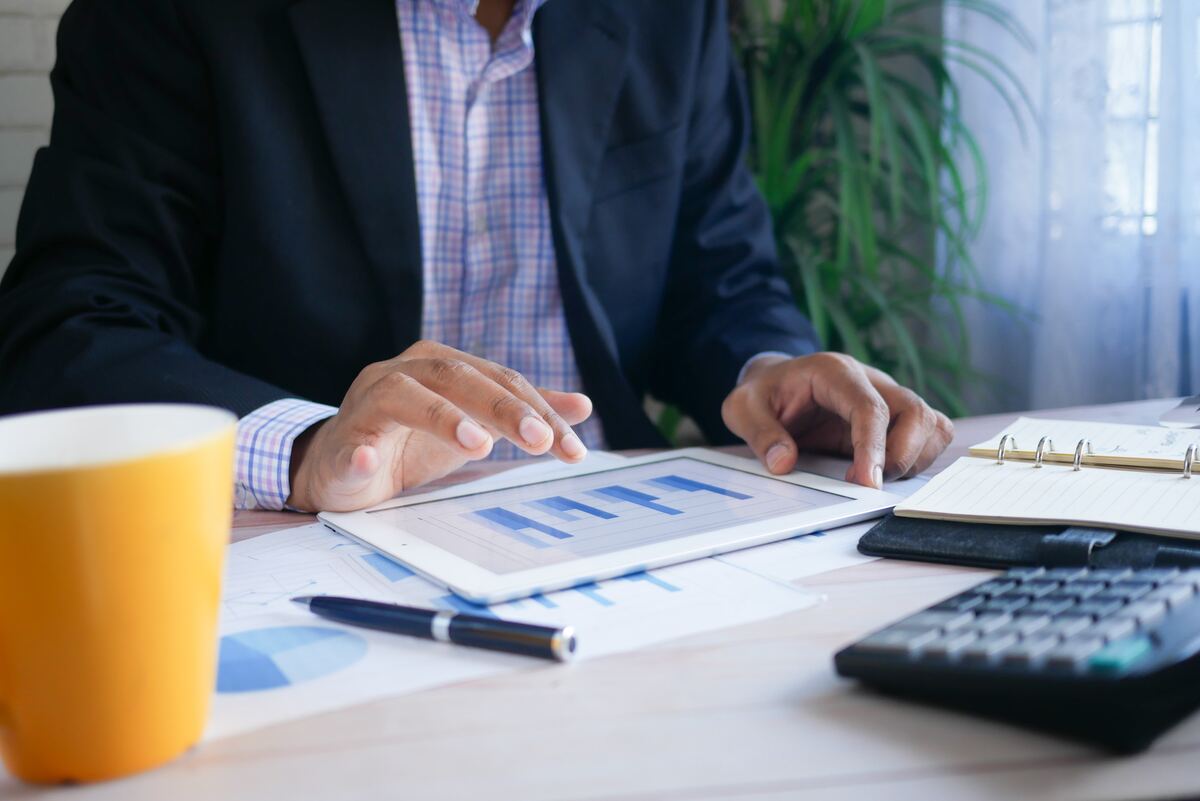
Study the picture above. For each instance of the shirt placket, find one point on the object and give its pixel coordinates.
(477, 257)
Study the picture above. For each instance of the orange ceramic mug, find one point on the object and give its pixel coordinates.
(113, 526)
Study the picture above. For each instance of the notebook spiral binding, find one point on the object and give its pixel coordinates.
(1046, 445)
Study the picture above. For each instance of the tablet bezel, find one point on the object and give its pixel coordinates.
(482, 586)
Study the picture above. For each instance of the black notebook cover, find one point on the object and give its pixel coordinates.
(995, 546)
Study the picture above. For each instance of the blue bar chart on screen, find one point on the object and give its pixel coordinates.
(556, 521)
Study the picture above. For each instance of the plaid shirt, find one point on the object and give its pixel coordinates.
(489, 273)
(490, 282)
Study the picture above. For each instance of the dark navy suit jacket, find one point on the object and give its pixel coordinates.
(226, 213)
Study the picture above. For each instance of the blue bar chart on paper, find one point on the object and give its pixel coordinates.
(568, 518)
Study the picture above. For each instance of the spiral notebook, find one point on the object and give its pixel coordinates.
(1133, 478)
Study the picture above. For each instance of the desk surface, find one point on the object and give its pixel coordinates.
(749, 712)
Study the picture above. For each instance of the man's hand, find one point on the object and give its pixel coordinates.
(421, 415)
(830, 402)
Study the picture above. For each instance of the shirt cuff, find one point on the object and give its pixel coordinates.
(756, 357)
(264, 450)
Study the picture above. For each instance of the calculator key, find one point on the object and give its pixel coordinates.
(1065, 573)
(1023, 626)
(1030, 649)
(959, 603)
(1048, 606)
(1023, 573)
(990, 621)
(1157, 574)
(936, 620)
(1115, 628)
(1120, 655)
(1067, 626)
(896, 641)
(1188, 577)
(1081, 589)
(1126, 590)
(1072, 653)
(1039, 587)
(1002, 604)
(948, 645)
(1096, 609)
(995, 587)
(1143, 613)
(1186, 580)
(1109, 574)
(989, 646)
(1174, 595)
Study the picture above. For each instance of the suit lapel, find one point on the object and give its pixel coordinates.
(581, 59)
(351, 50)
(582, 50)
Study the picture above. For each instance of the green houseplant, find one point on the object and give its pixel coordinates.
(875, 185)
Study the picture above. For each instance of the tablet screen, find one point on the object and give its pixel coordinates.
(564, 519)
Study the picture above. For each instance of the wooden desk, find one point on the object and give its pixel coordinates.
(751, 712)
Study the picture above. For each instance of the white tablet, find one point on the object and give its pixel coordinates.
(528, 537)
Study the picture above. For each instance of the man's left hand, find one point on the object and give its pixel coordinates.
(830, 402)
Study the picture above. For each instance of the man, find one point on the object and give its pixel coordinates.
(260, 203)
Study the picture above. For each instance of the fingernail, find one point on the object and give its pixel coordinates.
(534, 431)
(572, 446)
(471, 435)
(877, 476)
(775, 455)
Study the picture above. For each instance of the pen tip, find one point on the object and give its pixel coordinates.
(302, 600)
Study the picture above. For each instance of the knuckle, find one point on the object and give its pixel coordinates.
(393, 381)
(846, 362)
(444, 371)
(556, 423)
(733, 402)
(420, 347)
(946, 425)
(929, 418)
(504, 407)
(906, 397)
(512, 379)
(370, 372)
(829, 360)
(439, 413)
(877, 410)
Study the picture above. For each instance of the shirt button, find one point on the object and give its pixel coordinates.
(479, 223)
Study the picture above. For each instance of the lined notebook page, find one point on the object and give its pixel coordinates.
(1017, 492)
(1108, 439)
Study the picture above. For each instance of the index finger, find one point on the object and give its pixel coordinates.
(566, 445)
(847, 393)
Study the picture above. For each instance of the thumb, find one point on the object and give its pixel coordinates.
(748, 414)
(354, 467)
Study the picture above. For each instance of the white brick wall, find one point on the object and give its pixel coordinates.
(27, 29)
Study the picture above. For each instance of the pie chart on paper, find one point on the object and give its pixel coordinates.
(280, 656)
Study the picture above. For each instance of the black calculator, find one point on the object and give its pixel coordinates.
(1108, 656)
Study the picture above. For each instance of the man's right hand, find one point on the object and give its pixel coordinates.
(421, 415)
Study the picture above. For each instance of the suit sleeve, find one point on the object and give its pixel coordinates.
(102, 302)
(726, 300)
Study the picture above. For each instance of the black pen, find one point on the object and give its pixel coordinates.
(476, 631)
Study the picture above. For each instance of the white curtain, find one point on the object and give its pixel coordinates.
(1093, 222)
